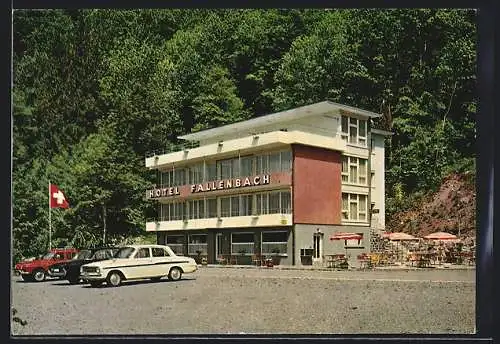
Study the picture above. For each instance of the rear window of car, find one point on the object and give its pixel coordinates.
(159, 252)
(143, 253)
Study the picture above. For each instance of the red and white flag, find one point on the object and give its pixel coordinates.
(57, 198)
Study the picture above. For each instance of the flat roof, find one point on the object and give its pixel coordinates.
(278, 117)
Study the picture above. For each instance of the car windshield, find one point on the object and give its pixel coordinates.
(48, 255)
(101, 254)
(124, 252)
(85, 254)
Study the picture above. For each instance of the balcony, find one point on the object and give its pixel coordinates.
(245, 145)
(267, 220)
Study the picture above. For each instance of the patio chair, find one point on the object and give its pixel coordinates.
(221, 260)
(257, 259)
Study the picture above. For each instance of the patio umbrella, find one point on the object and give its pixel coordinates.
(346, 236)
(441, 236)
(401, 237)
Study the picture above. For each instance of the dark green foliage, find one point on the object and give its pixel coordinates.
(94, 90)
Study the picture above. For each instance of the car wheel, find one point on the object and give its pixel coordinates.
(175, 274)
(95, 284)
(39, 275)
(27, 278)
(114, 279)
(155, 279)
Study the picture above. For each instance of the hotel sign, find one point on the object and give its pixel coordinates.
(230, 183)
(212, 186)
(164, 192)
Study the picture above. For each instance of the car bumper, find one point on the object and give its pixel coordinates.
(87, 277)
(57, 273)
(190, 268)
(22, 272)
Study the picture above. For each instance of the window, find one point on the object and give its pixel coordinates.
(242, 243)
(159, 252)
(176, 243)
(345, 206)
(235, 206)
(354, 130)
(274, 162)
(345, 169)
(286, 202)
(274, 243)
(210, 172)
(354, 207)
(196, 209)
(247, 166)
(362, 207)
(362, 171)
(197, 244)
(224, 169)
(345, 125)
(179, 177)
(225, 206)
(172, 211)
(262, 205)
(286, 161)
(143, 253)
(354, 170)
(262, 164)
(246, 205)
(211, 207)
(196, 174)
(273, 203)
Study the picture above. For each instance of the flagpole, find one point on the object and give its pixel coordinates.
(50, 223)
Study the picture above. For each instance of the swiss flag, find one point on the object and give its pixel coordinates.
(57, 198)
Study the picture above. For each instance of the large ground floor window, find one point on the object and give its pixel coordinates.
(197, 244)
(274, 243)
(242, 243)
(176, 243)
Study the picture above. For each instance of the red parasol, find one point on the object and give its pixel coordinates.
(346, 236)
(441, 236)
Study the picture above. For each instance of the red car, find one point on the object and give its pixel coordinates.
(36, 270)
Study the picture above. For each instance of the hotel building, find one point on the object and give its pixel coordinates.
(278, 186)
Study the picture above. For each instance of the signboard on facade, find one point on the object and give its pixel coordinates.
(230, 183)
(212, 186)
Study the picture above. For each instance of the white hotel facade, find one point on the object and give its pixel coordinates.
(278, 185)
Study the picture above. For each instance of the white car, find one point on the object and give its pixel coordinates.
(138, 262)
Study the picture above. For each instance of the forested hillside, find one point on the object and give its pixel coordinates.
(94, 90)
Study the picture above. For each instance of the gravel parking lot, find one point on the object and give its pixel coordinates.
(264, 301)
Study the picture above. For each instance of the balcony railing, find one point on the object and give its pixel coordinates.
(173, 148)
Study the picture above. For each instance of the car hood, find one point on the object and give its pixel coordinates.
(30, 263)
(107, 262)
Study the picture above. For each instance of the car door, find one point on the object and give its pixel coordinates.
(141, 265)
(160, 260)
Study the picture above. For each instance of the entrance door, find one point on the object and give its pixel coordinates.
(318, 247)
(218, 245)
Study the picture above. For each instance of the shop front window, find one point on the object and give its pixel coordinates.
(197, 244)
(274, 243)
(242, 243)
(176, 243)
